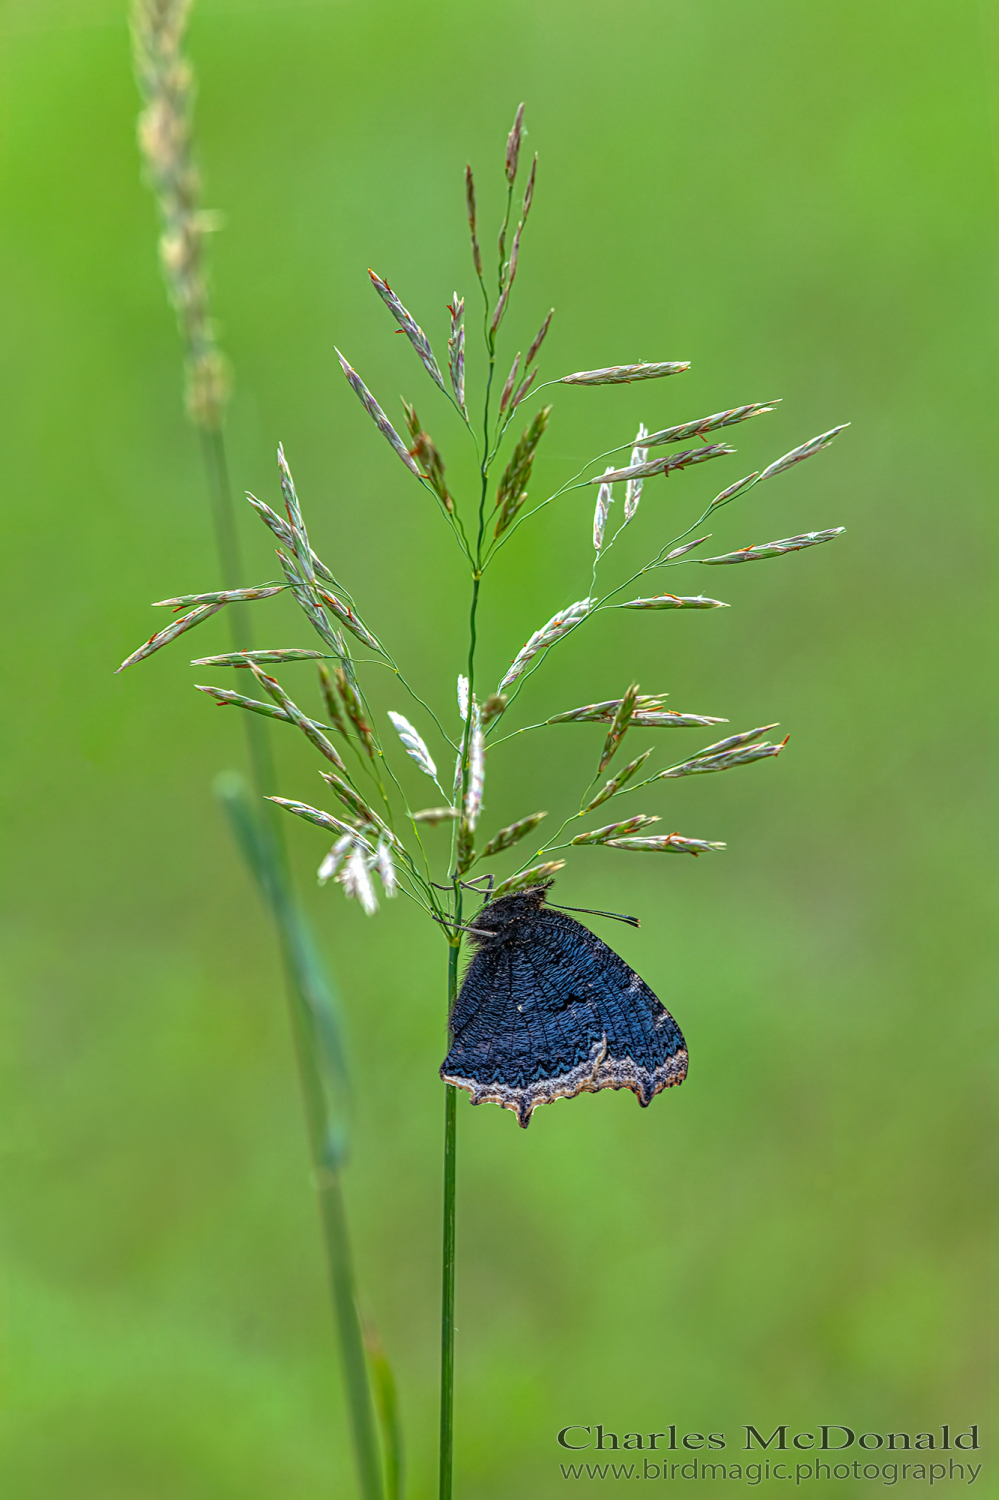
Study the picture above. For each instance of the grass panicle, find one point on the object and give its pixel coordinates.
(368, 855)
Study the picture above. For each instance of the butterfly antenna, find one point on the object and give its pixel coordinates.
(590, 912)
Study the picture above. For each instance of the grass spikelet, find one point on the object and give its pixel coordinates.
(633, 488)
(612, 787)
(476, 768)
(687, 547)
(355, 877)
(667, 464)
(733, 740)
(376, 414)
(512, 834)
(667, 719)
(508, 383)
(619, 726)
(591, 713)
(539, 339)
(466, 848)
(410, 328)
(508, 277)
(222, 596)
(701, 425)
(722, 761)
(331, 702)
(352, 800)
(493, 707)
(434, 815)
(260, 658)
(333, 861)
(674, 601)
(355, 712)
(470, 206)
(314, 815)
(806, 450)
(170, 633)
(425, 450)
(299, 536)
(624, 374)
(552, 631)
(223, 697)
(283, 532)
(385, 866)
(666, 843)
(512, 490)
(308, 602)
(525, 878)
(295, 714)
(349, 620)
(456, 352)
(773, 549)
(513, 145)
(731, 492)
(614, 830)
(605, 498)
(413, 743)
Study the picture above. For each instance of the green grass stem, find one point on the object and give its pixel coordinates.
(323, 1076)
(448, 1255)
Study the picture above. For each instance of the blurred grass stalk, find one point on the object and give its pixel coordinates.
(166, 83)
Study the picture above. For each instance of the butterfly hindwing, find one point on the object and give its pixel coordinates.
(547, 1010)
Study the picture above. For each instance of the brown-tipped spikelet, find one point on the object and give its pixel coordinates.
(512, 490)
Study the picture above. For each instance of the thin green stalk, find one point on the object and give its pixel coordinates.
(448, 1244)
(323, 1076)
(269, 862)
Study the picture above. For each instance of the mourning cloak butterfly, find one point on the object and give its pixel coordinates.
(548, 1011)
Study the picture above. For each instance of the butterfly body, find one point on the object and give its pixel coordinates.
(547, 1011)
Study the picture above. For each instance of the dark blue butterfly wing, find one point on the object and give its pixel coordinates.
(549, 1011)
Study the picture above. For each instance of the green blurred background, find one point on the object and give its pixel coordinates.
(797, 198)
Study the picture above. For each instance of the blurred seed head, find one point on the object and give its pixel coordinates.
(166, 84)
